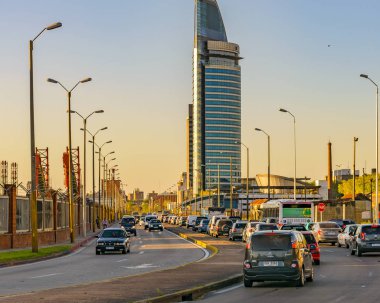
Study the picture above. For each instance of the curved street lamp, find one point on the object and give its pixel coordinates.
(33, 196)
(71, 212)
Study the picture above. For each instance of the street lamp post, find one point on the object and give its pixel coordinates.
(33, 193)
(93, 174)
(376, 210)
(260, 130)
(247, 185)
(84, 165)
(295, 151)
(105, 181)
(71, 217)
(218, 185)
(354, 168)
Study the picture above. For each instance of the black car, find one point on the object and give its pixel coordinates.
(196, 223)
(128, 223)
(113, 239)
(277, 256)
(234, 218)
(342, 223)
(155, 224)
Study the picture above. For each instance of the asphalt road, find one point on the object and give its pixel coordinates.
(150, 251)
(340, 278)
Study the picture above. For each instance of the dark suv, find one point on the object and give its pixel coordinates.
(128, 222)
(277, 256)
(365, 239)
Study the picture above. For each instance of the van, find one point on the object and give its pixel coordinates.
(213, 221)
(277, 256)
(190, 221)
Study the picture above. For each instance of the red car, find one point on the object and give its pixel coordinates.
(313, 246)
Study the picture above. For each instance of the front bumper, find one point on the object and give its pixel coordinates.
(108, 248)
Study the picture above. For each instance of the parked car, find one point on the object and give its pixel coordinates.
(128, 223)
(111, 240)
(277, 256)
(344, 238)
(299, 227)
(155, 224)
(366, 239)
(342, 223)
(313, 246)
(222, 228)
(236, 231)
(265, 226)
(147, 220)
(249, 230)
(212, 223)
(190, 221)
(234, 218)
(172, 219)
(326, 232)
(196, 223)
(182, 221)
(202, 226)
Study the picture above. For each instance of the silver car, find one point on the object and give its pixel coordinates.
(344, 236)
(326, 232)
(236, 232)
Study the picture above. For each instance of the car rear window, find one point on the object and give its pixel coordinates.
(329, 225)
(294, 227)
(371, 230)
(128, 220)
(240, 225)
(225, 222)
(309, 238)
(270, 242)
(268, 227)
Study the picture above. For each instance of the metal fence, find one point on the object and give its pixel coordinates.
(22, 214)
(4, 214)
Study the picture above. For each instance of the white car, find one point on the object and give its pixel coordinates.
(344, 236)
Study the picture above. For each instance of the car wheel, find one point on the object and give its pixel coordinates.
(98, 252)
(129, 249)
(247, 283)
(358, 251)
(135, 234)
(339, 244)
(162, 229)
(317, 262)
(352, 251)
(347, 246)
(233, 239)
(333, 243)
(216, 235)
(124, 251)
(311, 277)
(301, 280)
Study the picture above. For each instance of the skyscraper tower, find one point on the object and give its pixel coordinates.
(216, 110)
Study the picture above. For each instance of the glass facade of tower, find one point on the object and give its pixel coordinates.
(216, 102)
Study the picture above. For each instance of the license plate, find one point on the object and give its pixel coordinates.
(376, 244)
(270, 263)
(109, 248)
(331, 234)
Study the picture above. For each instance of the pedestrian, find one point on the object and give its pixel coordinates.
(105, 223)
(97, 222)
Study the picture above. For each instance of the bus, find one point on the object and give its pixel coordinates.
(289, 211)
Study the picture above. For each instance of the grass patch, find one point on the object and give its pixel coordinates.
(27, 254)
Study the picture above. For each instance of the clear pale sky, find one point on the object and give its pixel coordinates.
(139, 54)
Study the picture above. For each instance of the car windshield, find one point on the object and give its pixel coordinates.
(328, 225)
(149, 218)
(268, 227)
(240, 225)
(309, 238)
(294, 227)
(270, 242)
(113, 234)
(128, 221)
(371, 230)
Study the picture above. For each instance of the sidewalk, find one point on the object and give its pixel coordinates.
(225, 264)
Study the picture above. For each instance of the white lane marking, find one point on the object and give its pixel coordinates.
(322, 276)
(141, 252)
(363, 286)
(340, 299)
(141, 242)
(370, 274)
(142, 266)
(44, 276)
(122, 260)
(228, 289)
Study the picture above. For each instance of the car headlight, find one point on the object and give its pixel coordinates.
(160, 225)
(119, 243)
(101, 243)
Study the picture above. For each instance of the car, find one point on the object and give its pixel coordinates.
(344, 238)
(111, 240)
(313, 246)
(190, 221)
(142, 221)
(366, 239)
(326, 232)
(172, 220)
(236, 231)
(265, 226)
(299, 227)
(202, 226)
(234, 218)
(196, 223)
(249, 230)
(342, 222)
(222, 228)
(155, 224)
(277, 255)
(182, 221)
(212, 223)
(128, 223)
(147, 219)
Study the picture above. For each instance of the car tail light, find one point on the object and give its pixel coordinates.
(294, 264)
(319, 232)
(234, 230)
(247, 264)
(362, 236)
(248, 246)
(294, 245)
(250, 230)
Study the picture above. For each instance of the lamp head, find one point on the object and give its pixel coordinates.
(86, 80)
(283, 110)
(54, 26)
(82, 129)
(258, 129)
(356, 139)
(89, 140)
(104, 128)
(364, 76)
(72, 112)
(112, 152)
(109, 141)
(113, 159)
(99, 111)
(52, 80)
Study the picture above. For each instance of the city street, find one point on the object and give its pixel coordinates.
(340, 278)
(150, 251)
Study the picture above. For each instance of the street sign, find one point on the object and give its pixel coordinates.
(321, 207)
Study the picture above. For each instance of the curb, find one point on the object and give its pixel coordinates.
(194, 293)
(209, 247)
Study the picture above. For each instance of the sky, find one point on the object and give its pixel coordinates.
(305, 56)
